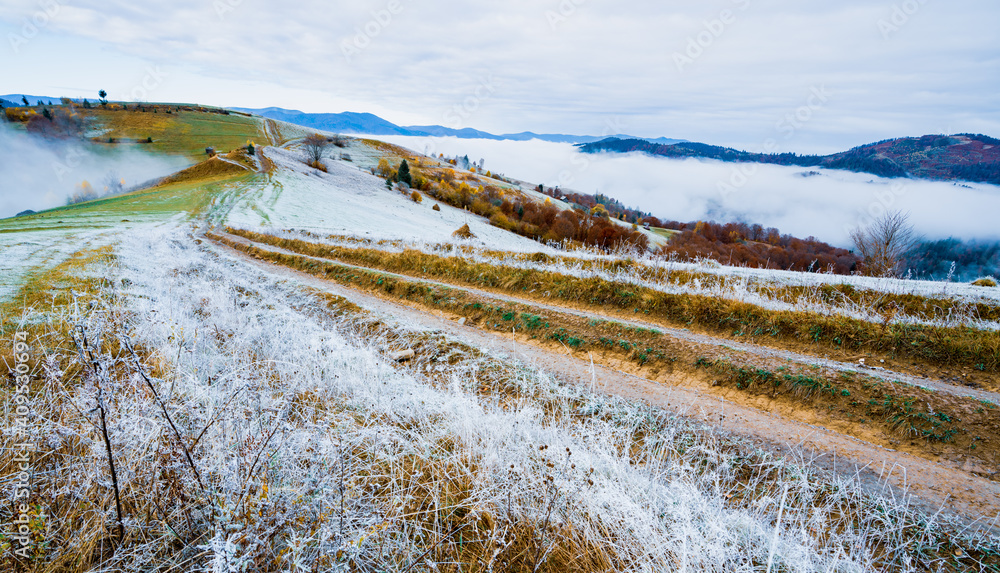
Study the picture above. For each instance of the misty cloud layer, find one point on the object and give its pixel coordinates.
(818, 202)
(39, 174)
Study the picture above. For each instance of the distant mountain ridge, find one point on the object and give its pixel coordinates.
(369, 124)
(14, 100)
(962, 157)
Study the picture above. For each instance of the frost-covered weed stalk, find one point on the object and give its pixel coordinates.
(707, 278)
(315, 453)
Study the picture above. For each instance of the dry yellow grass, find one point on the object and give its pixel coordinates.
(464, 232)
(934, 346)
(210, 169)
(959, 430)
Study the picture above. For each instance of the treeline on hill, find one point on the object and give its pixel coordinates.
(754, 246)
(968, 157)
(982, 173)
(588, 203)
(506, 210)
(953, 259)
(857, 159)
(729, 243)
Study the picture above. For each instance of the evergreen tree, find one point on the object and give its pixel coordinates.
(403, 175)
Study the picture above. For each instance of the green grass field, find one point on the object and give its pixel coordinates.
(185, 133)
(148, 205)
(35, 244)
(665, 233)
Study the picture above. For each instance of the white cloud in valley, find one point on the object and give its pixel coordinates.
(38, 173)
(801, 201)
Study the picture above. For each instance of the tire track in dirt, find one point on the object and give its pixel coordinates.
(981, 462)
(676, 333)
(270, 129)
(929, 485)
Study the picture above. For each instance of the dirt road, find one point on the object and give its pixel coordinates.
(922, 482)
(677, 333)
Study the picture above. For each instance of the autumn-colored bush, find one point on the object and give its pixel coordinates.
(20, 114)
(985, 282)
(385, 169)
(501, 221)
(482, 208)
(83, 192)
(416, 197)
(60, 123)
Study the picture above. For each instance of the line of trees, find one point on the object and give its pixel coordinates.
(953, 259)
(114, 184)
(58, 122)
(931, 156)
(860, 159)
(509, 211)
(729, 243)
(755, 246)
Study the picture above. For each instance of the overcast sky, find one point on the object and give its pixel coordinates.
(815, 76)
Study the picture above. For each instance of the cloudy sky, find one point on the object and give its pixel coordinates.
(817, 76)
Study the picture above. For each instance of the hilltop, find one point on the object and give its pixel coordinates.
(963, 157)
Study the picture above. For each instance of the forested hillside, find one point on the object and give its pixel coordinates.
(963, 157)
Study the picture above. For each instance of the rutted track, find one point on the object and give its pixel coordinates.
(934, 485)
(676, 333)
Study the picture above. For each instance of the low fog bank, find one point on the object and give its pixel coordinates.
(39, 173)
(800, 201)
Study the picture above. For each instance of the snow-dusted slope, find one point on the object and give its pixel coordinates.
(350, 201)
(27, 252)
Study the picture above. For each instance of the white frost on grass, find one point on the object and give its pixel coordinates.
(752, 286)
(25, 252)
(666, 503)
(350, 201)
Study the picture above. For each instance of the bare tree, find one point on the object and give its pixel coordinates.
(114, 184)
(315, 146)
(882, 243)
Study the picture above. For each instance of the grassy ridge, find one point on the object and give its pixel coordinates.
(185, 133)
(935, 345)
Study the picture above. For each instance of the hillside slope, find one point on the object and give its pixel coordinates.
(347, 200)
